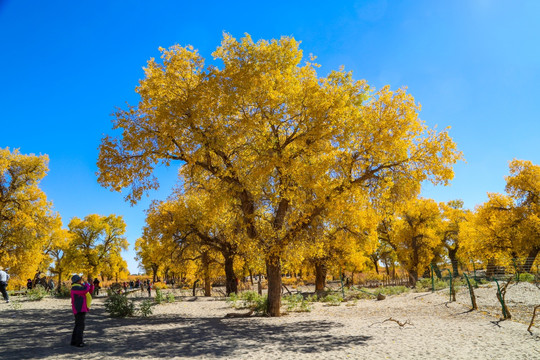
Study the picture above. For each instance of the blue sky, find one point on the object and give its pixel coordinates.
(65, 65)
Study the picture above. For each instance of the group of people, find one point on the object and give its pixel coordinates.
(138, 284)
(40, 280)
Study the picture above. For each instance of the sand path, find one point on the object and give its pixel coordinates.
(196, 328)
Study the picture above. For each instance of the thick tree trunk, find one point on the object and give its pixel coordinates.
(273, 274)
(59, 281)
(387, 266)
(230, 285)
(320, 276)
(413, 277)
(206, 270)
(251, 277)
(154, 272)
(490, 271)
(207, 285)
(452, 254)
(530, 259)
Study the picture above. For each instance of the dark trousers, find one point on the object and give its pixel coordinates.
(77, 337)
(3, 286)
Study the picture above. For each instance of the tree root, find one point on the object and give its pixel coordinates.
(240, 315)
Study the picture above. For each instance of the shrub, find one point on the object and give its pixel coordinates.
(423, 285)
(393, 290)
(249, 300)
(170, 298)
(146, 308)
(118, 305)
(332, 299)
(260, 304)
(159, 297)
(526, 277)
(233, 299)
(297, 303)
(36, 293)
(63, 292)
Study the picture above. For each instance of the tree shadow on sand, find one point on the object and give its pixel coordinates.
(40, 334)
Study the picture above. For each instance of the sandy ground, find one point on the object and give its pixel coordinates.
(196, 328)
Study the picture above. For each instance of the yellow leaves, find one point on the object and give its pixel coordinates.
(25, 215)
(97, 241)
(269, 149)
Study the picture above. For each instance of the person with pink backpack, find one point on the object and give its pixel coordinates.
(81, 299)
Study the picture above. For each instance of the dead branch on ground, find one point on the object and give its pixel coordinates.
(401, 324)
(532, 319)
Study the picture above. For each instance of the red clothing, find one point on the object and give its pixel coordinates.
(78, 297)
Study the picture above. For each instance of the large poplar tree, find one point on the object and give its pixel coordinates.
(283, 142)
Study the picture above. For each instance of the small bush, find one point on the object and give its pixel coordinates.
(249, 300)
(393, 290)
(526, 277)
(260, 304)
(423, 285)
(332, 299)
(118, 305)
(249, 296)
(146, 308)
(297, 303)
(159, 297)
(170, 298)
(37, 293)
(233, 299)
(63, 292)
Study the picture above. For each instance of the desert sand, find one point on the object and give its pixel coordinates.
(196, 328)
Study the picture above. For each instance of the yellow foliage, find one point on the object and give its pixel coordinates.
(286, 146)
(26, 218)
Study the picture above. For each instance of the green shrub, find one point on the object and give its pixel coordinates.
(260, 304)
(63, 292)
(118, 305)
(423, 285)
(297, 303)
(170, 298)
(146, 308)
(332, 299)
(393, 290)
(526, 277)
(36, 293)
(233, 299)
(159, 297)
(249, 296)
(249, 300)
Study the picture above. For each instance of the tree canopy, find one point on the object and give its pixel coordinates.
(284, 143)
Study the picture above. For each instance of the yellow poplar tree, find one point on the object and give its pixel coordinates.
(25, 214)
(453, 215)
(58, 250)
(523, 185)
(264, 125)
(97, 241)
(415, 235)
